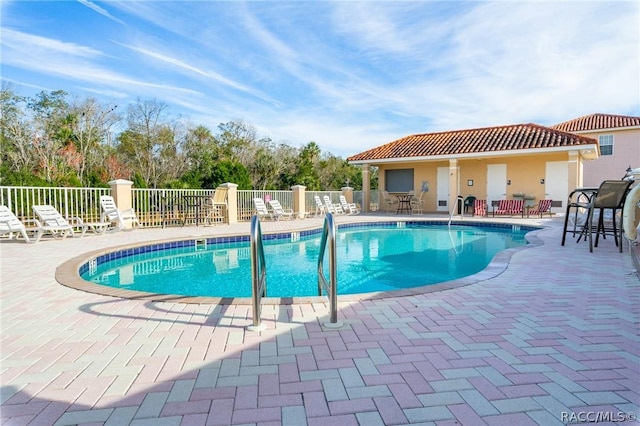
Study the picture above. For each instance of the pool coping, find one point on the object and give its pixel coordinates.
(68, 273)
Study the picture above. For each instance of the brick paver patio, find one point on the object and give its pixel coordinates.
(552, 339)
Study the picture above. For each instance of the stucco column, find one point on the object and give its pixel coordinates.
(575, 169)
(121, 193)
(347, 191)
(366, 188)
(454, 180)
(299, 207)
(232, 202)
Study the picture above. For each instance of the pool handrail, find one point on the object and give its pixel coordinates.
(258, 273)
(459, 199)
(331, 286)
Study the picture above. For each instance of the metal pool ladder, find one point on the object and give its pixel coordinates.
(331, 286)
(459, 199)
(258, 273)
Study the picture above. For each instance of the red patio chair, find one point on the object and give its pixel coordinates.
(544, 206)
(504, 207)
(480, 207)
(517, 207)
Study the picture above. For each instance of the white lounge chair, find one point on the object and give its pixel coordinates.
(111, 214)
(51, 221)
(279, 212)
(332, 208)
(10, 224)
(348, 208)
(320, 207)
(261, 208)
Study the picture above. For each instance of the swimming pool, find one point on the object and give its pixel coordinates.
(372, 257)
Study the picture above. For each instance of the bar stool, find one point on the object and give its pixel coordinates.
(579, 198)
(611, 195)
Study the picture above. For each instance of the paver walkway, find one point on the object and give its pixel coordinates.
(554, 339)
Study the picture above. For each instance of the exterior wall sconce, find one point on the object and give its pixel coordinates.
(541, 181)
(470, 182)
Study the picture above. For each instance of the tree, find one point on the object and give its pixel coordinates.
(150, 143)
(227, 171)
(91, 123)
(46, 140)
(236, 139)
(16, 134)
(307, 168)
(50, 111)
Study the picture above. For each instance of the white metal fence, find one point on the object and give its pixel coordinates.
(154, 207)
(70, 202)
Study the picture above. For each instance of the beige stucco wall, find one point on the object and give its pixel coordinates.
(626, 152)
(525, 173)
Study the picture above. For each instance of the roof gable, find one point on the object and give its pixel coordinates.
(484, 140)
(598, 122)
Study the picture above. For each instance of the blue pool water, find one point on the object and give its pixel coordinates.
(372, 258)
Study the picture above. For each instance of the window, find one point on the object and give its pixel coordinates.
(399, 180)
(606, 144)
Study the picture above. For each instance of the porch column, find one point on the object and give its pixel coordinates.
(575, 171)
(232, 202)
(366, 188)
(299, 207)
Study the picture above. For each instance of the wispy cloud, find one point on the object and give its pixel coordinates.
(179, 64)
(69, 60)
(100, 10)
(43, 45)
(348, 75)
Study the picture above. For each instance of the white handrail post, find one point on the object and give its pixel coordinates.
(329, 238)
(258, 274)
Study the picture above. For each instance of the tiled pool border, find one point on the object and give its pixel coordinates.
(69, 273)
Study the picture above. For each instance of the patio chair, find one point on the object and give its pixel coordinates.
(261, 208)
(111, 214)
(348, 208)
(216, 206)
(321, 209)
(51, 221)
(544, 206)
(389, 201)
(480, 207)
(504, 207)
(468, 203)
(10, 224)
(417, 203)
(279, 212)
(332, 208)
(611, 195)
(517, 207)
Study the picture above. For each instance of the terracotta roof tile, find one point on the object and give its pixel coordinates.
(484, 140)
(597, 122)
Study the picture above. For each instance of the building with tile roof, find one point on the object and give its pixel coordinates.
(492, 163)
(619, 140)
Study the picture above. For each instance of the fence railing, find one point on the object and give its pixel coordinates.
(70, 202)
(161, 207)
(310, 202)
(245, 201)
(154, 207)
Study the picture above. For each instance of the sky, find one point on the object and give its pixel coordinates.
(347, 75)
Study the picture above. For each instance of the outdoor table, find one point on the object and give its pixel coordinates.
(195, 203)
(404, 203)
